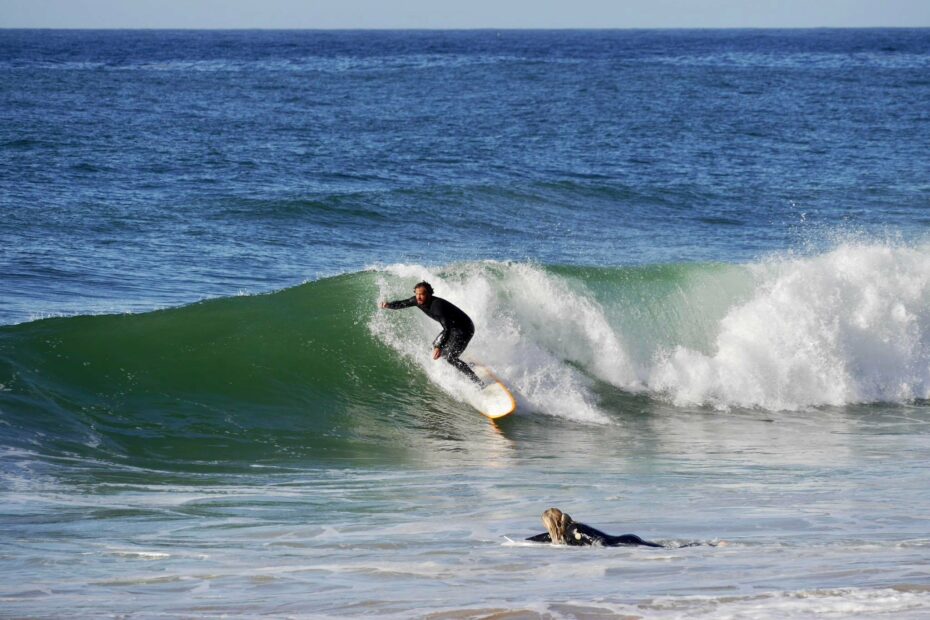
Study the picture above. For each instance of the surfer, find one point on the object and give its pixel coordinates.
(457, 328)
(561, 529)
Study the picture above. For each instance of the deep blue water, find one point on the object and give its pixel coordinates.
(149, 168)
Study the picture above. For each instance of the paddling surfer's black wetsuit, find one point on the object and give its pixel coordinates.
(457, 329)
(579, 534)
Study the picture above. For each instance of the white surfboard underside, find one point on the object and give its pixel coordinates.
(494, 400)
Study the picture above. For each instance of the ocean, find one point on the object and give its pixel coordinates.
(700, 259)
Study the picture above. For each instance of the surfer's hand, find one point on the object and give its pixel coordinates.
(382, 305)
(437, 352)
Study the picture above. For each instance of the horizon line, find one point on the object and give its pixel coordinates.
(465, 29)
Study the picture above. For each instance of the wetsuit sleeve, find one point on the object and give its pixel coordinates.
(440, 314)
(580, 534)
(402, 303)
(632, 539)
(441, 340)
(543, 538)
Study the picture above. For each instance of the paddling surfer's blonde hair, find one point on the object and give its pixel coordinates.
(556, 523)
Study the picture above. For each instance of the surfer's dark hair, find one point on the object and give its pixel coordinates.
(426, 285)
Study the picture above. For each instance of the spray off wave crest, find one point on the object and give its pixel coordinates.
(848, 326)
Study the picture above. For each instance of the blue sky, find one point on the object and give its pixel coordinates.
(462, 13)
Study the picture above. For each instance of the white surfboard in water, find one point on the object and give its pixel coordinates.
(494, 399)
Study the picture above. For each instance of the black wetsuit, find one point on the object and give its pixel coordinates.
(579, 534)
(457, 329)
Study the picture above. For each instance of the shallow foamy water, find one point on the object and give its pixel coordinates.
(813, 514)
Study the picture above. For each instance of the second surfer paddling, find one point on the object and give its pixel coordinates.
(457, 327)
(561, 529)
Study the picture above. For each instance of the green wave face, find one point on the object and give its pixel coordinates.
(246, 378)
(318, 373)
(315, 371)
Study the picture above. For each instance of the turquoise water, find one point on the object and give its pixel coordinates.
(699, 259)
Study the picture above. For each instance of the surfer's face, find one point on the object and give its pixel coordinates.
(422, 295)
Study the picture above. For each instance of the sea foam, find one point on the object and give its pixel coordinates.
(848, 326)
(851, 325)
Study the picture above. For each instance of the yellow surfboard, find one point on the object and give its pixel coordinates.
(494, 399)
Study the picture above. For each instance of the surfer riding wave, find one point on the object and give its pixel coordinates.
(457, 327)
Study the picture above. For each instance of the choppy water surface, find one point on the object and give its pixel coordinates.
(816, 514)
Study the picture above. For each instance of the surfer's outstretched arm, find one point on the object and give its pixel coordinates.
(400, 303)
